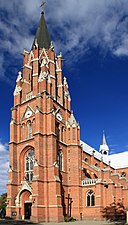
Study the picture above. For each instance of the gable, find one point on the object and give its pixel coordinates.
(28, 112)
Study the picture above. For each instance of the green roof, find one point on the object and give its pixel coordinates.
(42, 36)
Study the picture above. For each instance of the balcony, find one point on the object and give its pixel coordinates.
(87, 182)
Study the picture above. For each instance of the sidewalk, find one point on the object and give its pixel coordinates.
(18, 222)
(85, 222)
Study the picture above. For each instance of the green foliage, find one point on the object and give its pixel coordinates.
(69, 219)
(3, 201)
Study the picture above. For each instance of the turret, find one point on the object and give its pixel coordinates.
(73, 130)
(104, 149)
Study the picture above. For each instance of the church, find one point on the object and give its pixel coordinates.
(52, 173)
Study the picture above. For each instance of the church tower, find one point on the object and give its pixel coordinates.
(45, 151)
(104, 149)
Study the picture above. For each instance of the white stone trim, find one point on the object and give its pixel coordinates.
(29, 67)
(25, 187)
(26, 51)
(51, 61)
(42, 76)
(35, 75)
(19, 77)
(43, 51)
(59, 70)
(36, 59)
(17, 90)
(60, 85)
(52, 76)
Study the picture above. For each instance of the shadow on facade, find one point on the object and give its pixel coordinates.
(67, 210)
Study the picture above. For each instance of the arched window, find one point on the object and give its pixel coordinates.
(60, 160)
(74, 133)
(68, 133)
(90, 198)
(62, 134)
(30, 130)
(57, 131)
(86, 159)
(105, 153)
(29, 164)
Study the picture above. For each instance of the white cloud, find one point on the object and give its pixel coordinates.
(4, 163)
(91, 23)
(76, 26)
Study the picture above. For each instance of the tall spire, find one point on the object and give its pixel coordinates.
(104, 149)
(42, 37)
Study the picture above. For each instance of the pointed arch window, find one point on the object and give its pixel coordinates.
(74, 133)
(57, 131)
(90, 198)
(68, 133)
(29, 164)
(60, 160)
(30, 130)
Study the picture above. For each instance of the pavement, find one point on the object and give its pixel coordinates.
(21, 222)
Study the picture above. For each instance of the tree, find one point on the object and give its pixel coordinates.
(3, 204)
(114, 212)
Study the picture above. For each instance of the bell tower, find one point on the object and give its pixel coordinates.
(44, 143)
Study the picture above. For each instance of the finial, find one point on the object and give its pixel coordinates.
(60, 55)
(36, 44)
(42, 6)
(52, 46)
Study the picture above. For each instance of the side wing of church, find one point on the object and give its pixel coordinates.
(52, 174)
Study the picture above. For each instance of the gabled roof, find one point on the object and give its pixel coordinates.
(117, 161)
(42, 37)
(92, 151)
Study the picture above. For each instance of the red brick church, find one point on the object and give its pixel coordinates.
(52, 173)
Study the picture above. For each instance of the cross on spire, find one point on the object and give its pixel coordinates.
(42, 5)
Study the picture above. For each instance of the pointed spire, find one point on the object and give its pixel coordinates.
(42, 37)
(104, 139)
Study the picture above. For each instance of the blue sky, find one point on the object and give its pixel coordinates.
(93, 37)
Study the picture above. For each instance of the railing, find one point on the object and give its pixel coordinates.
(89, 182)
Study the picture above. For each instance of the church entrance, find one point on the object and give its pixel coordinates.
(27, 210)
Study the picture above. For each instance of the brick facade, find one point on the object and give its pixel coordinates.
(50, 175)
